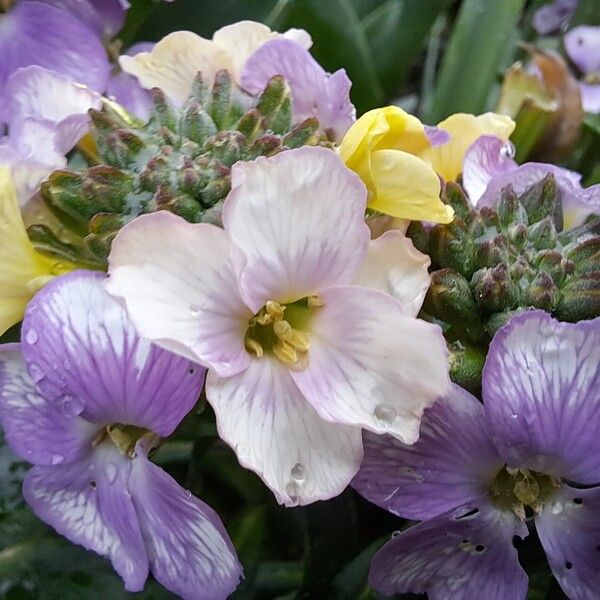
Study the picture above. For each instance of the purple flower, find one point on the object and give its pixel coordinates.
(38, 33)
(488, 168)
(84, 399)
(315, 93)
(583, 47)
(478, 470)
(554, 16)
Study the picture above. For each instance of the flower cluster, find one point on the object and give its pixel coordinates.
(207, 219)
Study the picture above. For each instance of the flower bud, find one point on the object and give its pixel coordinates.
(449, 297)
(494, 290)
(542, 292)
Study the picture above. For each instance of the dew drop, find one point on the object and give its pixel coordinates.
(514, 416)
(556, 508)
(291, 490)
(36, 372)
(111, 472)
(395, 534)
(31, 337)
(298, 472)
(194, 310)
(385, 413)
(70, 405)
(188, 493)
(57, 459)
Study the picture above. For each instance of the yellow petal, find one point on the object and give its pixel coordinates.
(174, 62)
(22, 270)
(362, 137)
(407, 188)
(405, 132)
(447, 159)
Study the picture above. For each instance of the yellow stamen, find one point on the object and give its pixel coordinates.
(254, 347)
(275, 309)
(285, 353)
(315, 302)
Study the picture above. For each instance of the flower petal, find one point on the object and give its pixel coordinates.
(583, 47)
(182, 294)
(541, 390)
(315, 93)
(23, 268)
(104, 17)
(447, 159)
(188, 548)
(34, 428)
(36, 33)
(456, 555)
(590, 97)
(88, 502)
(569, 529)
(174, 62)
(487, 157)
(298, 220)
(393, 265)
(37, 93)
(553, 16)
(407, 188)
(86, 351)
(275, 432)
(451, 463)
(371, 365)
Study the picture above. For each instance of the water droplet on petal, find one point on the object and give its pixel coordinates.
(57, 459)
(395, 534)
(70, 405)
(194, 310)
(188, 493)
(31, 337)
(514, 416)
(298, 472)
(291, 490)
(556, 508)
(36, 372)
(111, 472)
(385, 413)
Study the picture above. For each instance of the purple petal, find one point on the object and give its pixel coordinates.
(315, 93)
(590, 97)
(456, 555)
(88, 502)
(189, 550)
(35, 33)
(541, 391)
(51, 98)
(487, 157)
(35, 429)
(85, 347)
(450, 464)
(554, 16)
(436, 136)
(583, 47)
(569, 529)
(104, 17)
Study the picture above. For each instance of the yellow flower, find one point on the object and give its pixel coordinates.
(391, 152)
(23, 270)
(464, 129)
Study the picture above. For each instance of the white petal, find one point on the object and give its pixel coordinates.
(179, 288)
(174, 62)
(393, 265)
(276, 433)
(298, 220)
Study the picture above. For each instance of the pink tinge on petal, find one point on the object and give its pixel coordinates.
(178, 284)
(88, 502)
(315, 93)
(569, 529)
(297, 219)
(36, 429)
(453, 461)
(189, 551)
(462, 554)
(370, 365)
(87, 351)
(487, 157)
(583, 47)
(541, 391)
(275, 432)
(394, 266)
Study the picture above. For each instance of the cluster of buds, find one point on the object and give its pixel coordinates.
(180, 160)
(489, 264)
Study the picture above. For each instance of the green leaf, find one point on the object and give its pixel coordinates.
(476, 55)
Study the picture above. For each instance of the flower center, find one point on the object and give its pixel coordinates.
(124, 437)
(282, 330)
(521, 489)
